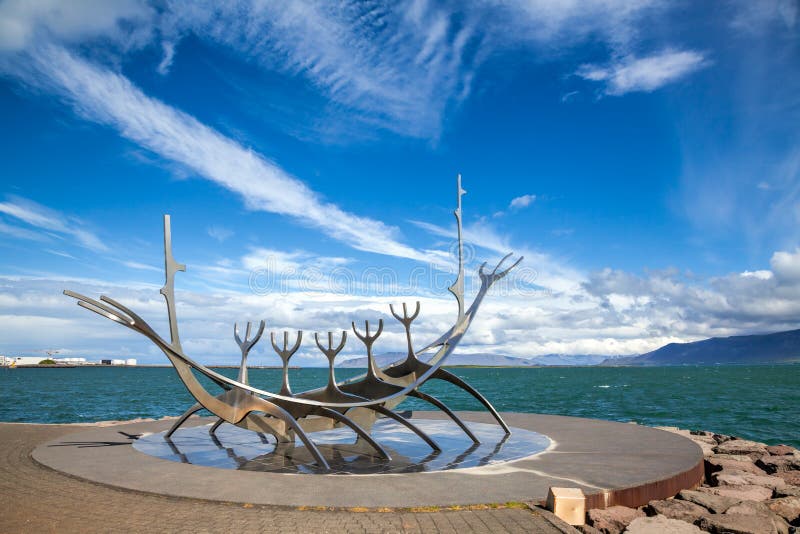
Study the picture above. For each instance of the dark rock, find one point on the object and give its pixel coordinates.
(786, 507)
(676, 509)
(740, 493)
(779, 464)
(716, 503)
(659, 525)
(781, 450)
(722, 438)
(613, 519)
(588, 529)
(700, 433)
(742, 524)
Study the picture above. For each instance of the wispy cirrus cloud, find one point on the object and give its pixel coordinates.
(48, 220)
(643, 74)
(105, 97)
(396, 67)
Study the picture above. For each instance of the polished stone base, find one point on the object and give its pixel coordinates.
(235, 448)
(613, 463)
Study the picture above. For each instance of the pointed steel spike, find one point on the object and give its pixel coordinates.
(416, 312)
(272, 340)
(297, 343)
(502, 261)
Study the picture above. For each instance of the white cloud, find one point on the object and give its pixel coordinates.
(786, 266)
(761, 274)
(646, 74)
(168, 47)
(23, 21)
(521, 202)
(44, 218)
(219, 233)
(141, 266)
(282, 262)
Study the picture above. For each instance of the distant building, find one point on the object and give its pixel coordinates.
(130, 361)
(71, 361)
(22, 360)
(105, 362)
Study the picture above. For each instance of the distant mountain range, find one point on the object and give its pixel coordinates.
(780, 347)
(488, 360)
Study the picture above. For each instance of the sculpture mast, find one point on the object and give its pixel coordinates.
(170, 268)
(457, 289)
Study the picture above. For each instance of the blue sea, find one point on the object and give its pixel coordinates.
(754, 402)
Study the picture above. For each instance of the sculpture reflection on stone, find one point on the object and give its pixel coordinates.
(355, 403)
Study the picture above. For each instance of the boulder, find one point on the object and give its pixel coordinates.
(750, 508)
(743, 447)
(613, 519)
(740, 493)
(716, 503)
(788, 491)
(715, 463)
(740, 478)
(790, 477)
(781, 450)
(779, 464)
(736, 457)
(741, 524)
(722, 438)
(786, 507)
(661, 525)
(708, 448)
(676, 509)
(587, 529)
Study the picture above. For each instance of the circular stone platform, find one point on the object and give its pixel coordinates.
(614, 463)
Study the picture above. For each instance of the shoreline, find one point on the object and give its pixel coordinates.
(749, 487)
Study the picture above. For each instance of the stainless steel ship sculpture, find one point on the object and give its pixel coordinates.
(355, 403)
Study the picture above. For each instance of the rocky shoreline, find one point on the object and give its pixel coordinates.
(749, 488)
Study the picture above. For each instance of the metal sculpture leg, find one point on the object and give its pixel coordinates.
(215, 426)
(182, 419)
(453, 379)
(283, 415)
(333, 414)
(443, 407)
(408, 424)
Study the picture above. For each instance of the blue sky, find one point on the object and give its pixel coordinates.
(643, 156)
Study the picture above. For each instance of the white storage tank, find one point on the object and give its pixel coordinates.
(117, 362)
(130, 361)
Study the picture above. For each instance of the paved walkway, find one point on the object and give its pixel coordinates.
(37, 499)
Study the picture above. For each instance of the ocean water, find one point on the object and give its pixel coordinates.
(754, 402)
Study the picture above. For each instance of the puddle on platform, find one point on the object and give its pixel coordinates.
(236, 448)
